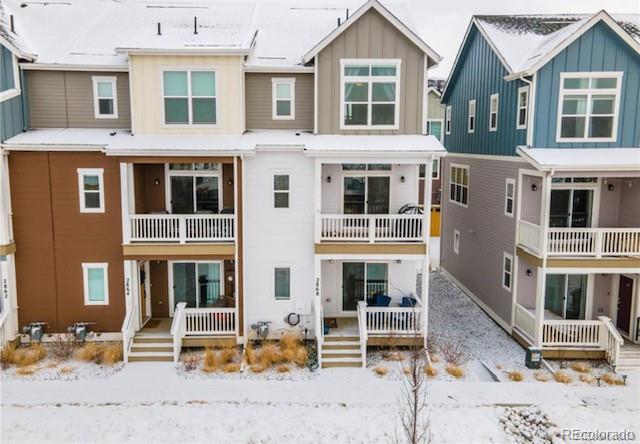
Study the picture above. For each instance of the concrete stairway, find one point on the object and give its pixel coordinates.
(629, 358)
(151, 347)
(341, 351)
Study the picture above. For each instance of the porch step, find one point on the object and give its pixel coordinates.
(342, 345)
(153, 339)
(342, 354)
(151, 347)
(342, 362)
(330, 338)
(147, 356)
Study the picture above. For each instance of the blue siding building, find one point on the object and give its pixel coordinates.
(12, 105)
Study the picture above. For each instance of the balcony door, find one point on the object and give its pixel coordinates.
(571, 208)
(362, 280)
(194, 188)
(196, 283)
(366, 194)
(566, 296)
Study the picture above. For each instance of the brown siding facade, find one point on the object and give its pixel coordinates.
(258, 101)
(64, 99)
(371, 37)
(53, 239)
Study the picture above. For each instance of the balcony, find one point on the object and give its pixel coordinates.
(582, 242)
(182, 228)
(372, 228)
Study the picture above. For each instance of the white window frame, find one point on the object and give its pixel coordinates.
(81, 191)
(456, 241)
(522, 90)
(85, 278)
(506, 272)
(369, 80)
(512, 182)
(287, 191)
(589, 92)
(168, 173)
(189, 97)
(16, 90)
(96, 102)
(471, 106)
(451, 183)
(447, 120)
(291, 82)
(435, 172)
(290, 268)
(494, 98)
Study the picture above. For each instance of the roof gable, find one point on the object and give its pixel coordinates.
(377, 6)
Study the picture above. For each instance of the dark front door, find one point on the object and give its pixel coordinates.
(625, 291)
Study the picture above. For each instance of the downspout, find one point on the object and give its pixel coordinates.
(23, 99)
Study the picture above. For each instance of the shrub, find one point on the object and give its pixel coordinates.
(381, 371)
(283, 369)
(30, 355)
(112, 354)
(580, 367)
(8, 354)
(228, 355)
(63, 346)
(612, 379)
(250, 354)
(563, 377)
(516, 376)
(587, 378)
(231, 367)
(455, 371)
(270, 354)
(210, 363)
(289, 341)
(430, 370)
(301, 358)
(191, 361)
(257, 368)
(27, 371)
(541, 376)
(91, 352)
(453, 353)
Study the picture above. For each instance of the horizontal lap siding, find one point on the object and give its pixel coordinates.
(485, 231)
(61, 99)
(479, 73)
(598, 49)
(371, 36)
(258, 99)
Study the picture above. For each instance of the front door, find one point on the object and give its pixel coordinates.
(625, 293)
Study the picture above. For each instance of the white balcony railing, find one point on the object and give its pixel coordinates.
(372, 228)
(390, 321)
(210, 321)
(586, 242)
(182, 228)
(525, 321)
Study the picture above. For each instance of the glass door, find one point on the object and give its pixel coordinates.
(181, 195)
(378, 194)
(196, 283)
(354, 195)
(366, 194)
(566, 295)
(363, 279)
(571, 208)
(194, 188)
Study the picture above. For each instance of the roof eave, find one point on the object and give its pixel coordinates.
(227, 51)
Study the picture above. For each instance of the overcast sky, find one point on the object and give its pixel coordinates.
(443, 23)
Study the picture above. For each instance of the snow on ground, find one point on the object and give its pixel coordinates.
(66, 370)
(434, 253)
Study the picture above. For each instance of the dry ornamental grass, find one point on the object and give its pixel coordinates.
(381, 371)
(541, 376)
(430, 370)
(587, 379)
(27, 371)
(580, 367)
(257, 368)
(250, 354)
(30, 355)
(516, 376)
(231, 367)
(612, 379)
(562, 377)
(283, 369)
(455, 371)
(228, 355)
(210, 361)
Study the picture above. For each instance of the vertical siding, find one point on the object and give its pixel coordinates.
(6, 69)
(11, 118)
(372, 36)
(479, 73)
(258, 102)
(598, 49)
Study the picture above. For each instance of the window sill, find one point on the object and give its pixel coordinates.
(587, 140)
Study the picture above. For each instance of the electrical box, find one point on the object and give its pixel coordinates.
(533, 358)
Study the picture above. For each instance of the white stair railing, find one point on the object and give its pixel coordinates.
(319, 333)
(178, 329)
(611, 341)
(525, 321)
(128, 331)
(4, 336)
(362, 329)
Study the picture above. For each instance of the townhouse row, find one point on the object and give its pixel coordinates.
(207, 177)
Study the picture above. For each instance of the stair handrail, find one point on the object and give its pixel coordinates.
(128, 332)
(319, 334)
(611, 341)
(362, 328)
(178, 329)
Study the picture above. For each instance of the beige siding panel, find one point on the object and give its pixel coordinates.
(147, 101)
(259, 96)
(64, 99)
(80, 106)
(47, 99)
(435, 109)
(371, 36)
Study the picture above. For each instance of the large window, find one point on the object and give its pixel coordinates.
(493, 112)
(370, 93)
(91, 190)
(588, 107)
(523, 105)
(282, 283)
(190, 97)
(459, 184)
(105, 103)
(283, 98)
(198, 283)
(471, 116)
(194, 188)
(96, 283)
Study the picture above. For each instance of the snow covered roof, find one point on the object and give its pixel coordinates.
(121, 142)
(9, 38)
(525, 43)
(582, 159)
(100, 33)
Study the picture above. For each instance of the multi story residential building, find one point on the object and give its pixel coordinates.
(542, 209)
(191, 177)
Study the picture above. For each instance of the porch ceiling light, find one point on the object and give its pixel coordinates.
(610, 187)
(402, 179)
(328, 179)
(534, 187)
(529, 272)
